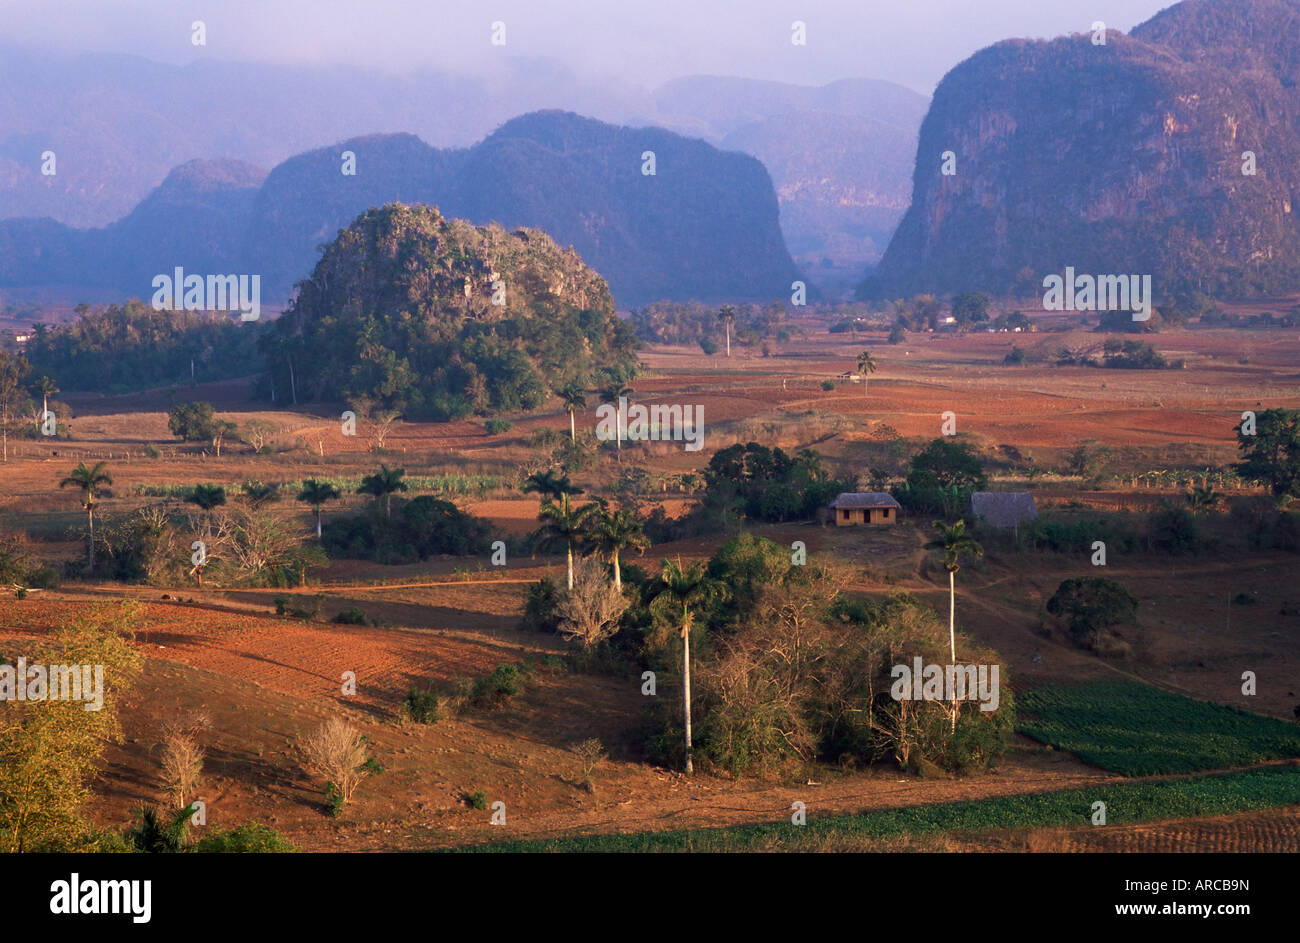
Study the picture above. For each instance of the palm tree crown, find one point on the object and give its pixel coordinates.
(382, 484)
(615, 532)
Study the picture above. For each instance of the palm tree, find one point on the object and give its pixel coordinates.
(316, 493)
(683, 589)
(207, 497)
(955, 542)
(47, 388)
(574, 398)
(564, 527)
(614, 393)
(88, 479)
(866, 366)
(614, 533)
(550, 485)
(727, 315)
(1203, 498)
(382, 484)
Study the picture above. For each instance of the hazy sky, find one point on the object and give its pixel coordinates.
(913, 42)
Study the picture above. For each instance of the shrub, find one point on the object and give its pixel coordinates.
(1174, 530)
(423, 706)
(540, 607)
(1091, 606)
(498, 687)
(498, 426)
(589, 752)
(475, 800)
(353, 616)
(828, 385)
(252, 838)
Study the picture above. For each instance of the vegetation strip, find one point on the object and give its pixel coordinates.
(1126, 804)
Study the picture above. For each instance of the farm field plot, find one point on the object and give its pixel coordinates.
(1126, 803)
(1137, 730)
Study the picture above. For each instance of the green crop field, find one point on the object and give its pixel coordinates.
(1126, 803)
(1137, 730)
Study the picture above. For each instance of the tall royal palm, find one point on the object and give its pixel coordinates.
(316, 493)
(47, 388)
(955, 543)
(88, 480)
(615, 393)
(615, 532)
(727, 315)
(574, 398)
(866, 367)
(562, 527)
(682, 591)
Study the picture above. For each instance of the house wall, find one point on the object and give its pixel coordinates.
(846, 517)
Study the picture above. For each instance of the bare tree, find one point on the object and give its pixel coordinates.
(182, 759)
(336, 753)
(590, 611)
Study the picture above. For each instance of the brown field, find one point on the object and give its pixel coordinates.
(264, 679)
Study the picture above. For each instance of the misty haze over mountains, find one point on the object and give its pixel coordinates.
(1128, 154)
(839, 155)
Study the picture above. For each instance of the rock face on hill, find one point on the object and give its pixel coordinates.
(1118, 158)
(704, 226)
(438, 318)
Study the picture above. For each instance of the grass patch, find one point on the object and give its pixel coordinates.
(1135, 729)
(1126, 803)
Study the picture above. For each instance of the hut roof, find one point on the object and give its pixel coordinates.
(864, 499)
(1003, 508)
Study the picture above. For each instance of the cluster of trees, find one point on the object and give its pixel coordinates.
(438, 319)
(714, 329)
(766, 484)
(1270, 451)
(1135, 355)
(416, 530)
(591, 527)
(941, 478)
(760, 662)
(132, 347)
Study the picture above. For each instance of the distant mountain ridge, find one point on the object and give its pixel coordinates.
(704, 226)
(839, 154)
(1120, 158)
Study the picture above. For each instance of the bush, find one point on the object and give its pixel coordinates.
(252, 838)
(498, 426)
(1173, 529)
(475, 800)
(498, 687)
(828, 385)
(424, 527)
(423, 707)
(353, 616)
(1091, 606)
(540, 605)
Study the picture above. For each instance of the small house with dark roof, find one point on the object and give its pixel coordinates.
(865, 507)
(1003, 508)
